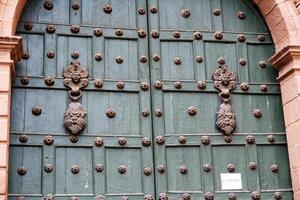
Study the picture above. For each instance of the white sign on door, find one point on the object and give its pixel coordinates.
(231, 181)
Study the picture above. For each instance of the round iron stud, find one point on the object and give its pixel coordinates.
(119, 32)
(24, 80)
(75, 169)
(107, 8)
(48, 5)
(98, 141)
(199, 59)
(22, 171)
(231, 168)
(153, 9)
(50, 54)
(255, 195)
(98, 32)
(100, 197)
(98, 57)
(186, 196)
(178, 85)
(162, 196)
(49, 197)
(48, 168)
(145, 113)
(277, 195)
(245, 86)
(146, 142)
(75, 54)
(122, 169)
(23, 138)
(263, 88)
(205, 140)
(110, 113)
(208, 196)
(49, 80)
(148, 197)
(99, 167)
(142, 33)
(216, 11)
(158, 85)
(155, 33)
(176, 34)
(274, 168)
(124, 198)
(252, 166)
(177, 60)
(21, 198)
(119, 60)
(48, 140)
(143, 59)
(241, 38)
(257, 113)
(183, 169)
(160, 140)
(161, 169)
(147, 171)
(207, 167)
(76, 6)
(50, 29)
(182, 139)
(198, 35)
(98, 83)
(218, 35)
(158, 112)
(192, 111)
(232, 196)
(75, 28)
(201, 85)
(271, 138)
(28, 26)
(73, 198)
(227, 139)
(36, 110)
(122, 141)
(250, 139)
(185, 13)
(120, 85)
(141, 11)
(261, 38)
(241, 15)
(144, 86)
(243, 61)
(155, 57)
(262, 64)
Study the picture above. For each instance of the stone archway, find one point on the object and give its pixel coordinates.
(284, 24)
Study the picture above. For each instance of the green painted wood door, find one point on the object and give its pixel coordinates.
(150, 103)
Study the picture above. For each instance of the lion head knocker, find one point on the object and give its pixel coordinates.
(225, 81)
(75, 78)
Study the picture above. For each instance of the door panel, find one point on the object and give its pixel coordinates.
(186, 132)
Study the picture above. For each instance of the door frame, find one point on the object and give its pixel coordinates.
(282, 20)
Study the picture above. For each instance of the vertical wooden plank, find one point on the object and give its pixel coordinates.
(217, 20)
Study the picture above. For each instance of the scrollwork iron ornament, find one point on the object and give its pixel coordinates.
(225, 82)
(75, 78)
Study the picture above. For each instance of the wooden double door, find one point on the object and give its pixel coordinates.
(120, 99)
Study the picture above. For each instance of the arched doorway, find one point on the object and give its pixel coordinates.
(149, 103)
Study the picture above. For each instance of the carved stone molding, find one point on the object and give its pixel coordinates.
(75, 78)
(75, 118)
(225, 81)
